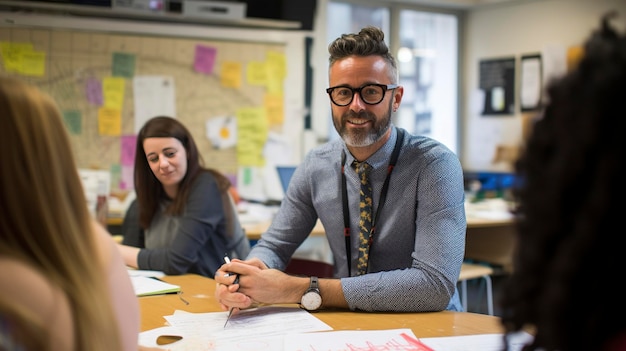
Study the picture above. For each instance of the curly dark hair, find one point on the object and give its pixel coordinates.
(569, 255)
(368, 42)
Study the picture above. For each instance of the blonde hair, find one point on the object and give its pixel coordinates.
(45, 220)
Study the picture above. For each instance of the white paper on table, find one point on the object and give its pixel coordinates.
(258, 329)
(399, 339)
(392, 339)
(482, 342)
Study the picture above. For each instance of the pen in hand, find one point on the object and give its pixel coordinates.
(230, 312)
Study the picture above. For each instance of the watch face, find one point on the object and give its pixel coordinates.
(311, 300)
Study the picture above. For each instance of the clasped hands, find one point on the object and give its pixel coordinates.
(258, 284)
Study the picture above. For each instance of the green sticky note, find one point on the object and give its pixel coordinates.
(73, 121)
(123, 65)
(247, 175)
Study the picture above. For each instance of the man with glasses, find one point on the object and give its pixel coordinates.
(397, 233)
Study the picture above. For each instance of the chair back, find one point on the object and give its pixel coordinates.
(301, 266)
(239, 245)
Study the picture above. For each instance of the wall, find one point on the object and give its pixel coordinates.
(502, 29)
(513, 30)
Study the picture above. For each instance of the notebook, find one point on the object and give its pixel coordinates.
(145, 286)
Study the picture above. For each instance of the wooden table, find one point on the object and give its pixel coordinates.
(115, 220)
(199, 292)
(254, 230)
(486, 240)
(475, 222)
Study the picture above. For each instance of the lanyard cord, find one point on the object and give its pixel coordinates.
(383, 196)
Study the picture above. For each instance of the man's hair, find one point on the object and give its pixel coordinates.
(368, 42)
(569, 203)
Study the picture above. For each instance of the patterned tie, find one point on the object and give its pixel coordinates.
(365, 220)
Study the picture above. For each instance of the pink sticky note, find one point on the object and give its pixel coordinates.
(127, 150)
(126, 179)
(93, 91)
(205, 59)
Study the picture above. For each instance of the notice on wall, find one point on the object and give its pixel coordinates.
(530, 82)
(497, 80)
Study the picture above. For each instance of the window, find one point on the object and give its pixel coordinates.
(428, 60)
(426, 47)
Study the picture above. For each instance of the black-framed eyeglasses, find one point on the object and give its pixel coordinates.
(371, 94)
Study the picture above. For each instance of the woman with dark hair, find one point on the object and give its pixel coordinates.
(570, 250)
(186, 218)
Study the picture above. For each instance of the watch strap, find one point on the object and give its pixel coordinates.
(314, 285)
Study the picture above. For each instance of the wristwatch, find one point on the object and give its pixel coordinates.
(312, 300)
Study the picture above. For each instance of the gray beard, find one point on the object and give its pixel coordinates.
(361, 140)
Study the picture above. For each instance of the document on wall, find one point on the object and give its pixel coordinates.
(258, 329)
(153, 96)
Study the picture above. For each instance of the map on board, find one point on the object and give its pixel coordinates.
(227, 93)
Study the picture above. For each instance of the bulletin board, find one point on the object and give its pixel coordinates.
(92, 73)
(497, 80)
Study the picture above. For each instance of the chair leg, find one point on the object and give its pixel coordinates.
(464, 294)
(489, 295)
(489, 288)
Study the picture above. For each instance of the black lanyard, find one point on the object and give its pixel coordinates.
(383, 196)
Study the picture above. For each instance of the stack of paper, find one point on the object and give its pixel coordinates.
(259, 329)
(392, 339)
(400, 339)
(273, 328)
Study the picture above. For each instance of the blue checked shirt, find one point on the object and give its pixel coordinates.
(419, 243)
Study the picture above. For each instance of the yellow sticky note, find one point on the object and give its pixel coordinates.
(277, 64)
(113, 92)
(12, 55)
(274, 109)
(33, 63)
(256, 73)
(109, 121)
(231, 75)
(252, 130)
(276, 71)
(574, 55)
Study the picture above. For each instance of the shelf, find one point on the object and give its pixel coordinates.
(108, 12)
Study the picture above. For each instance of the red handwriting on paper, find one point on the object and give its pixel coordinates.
(407, 343)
